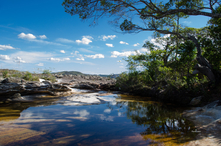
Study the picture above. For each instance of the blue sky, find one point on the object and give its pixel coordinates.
(38, 34)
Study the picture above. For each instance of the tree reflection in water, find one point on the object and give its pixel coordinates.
(161, 122)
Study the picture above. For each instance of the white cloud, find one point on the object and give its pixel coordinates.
(82, 113)
(85, 40)
(95, 56)
(28, 36)
(59, 59)
(62, 51)
(115, 54)
(107, 111)
(80, 58)
(18, 60)
(4, 57)
(63, 40)
(160, 43)
(121, 42)
(104, 118)
(137, 44)
(31, 57)
(32, 38)
(110, 45)
(144, 50)
(75, 53)
(42, 36)
(66, 59)
(104, 37)
(40, 64)
(6, 47)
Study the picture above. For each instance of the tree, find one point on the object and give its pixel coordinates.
(159, 17)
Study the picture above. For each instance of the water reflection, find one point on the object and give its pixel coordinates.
(120, 121)
(158, 119)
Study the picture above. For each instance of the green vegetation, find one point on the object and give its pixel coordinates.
(178, 67)
(48, 76)
(5, 74)
(70, 73)
(30, 77)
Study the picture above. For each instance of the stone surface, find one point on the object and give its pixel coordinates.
(195, 101)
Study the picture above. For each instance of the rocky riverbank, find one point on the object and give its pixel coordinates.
(12, 89)
(208, 124)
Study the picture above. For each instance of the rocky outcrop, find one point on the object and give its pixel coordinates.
(88, 82)
(8, 89)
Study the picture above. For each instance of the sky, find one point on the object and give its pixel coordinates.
(38, 35)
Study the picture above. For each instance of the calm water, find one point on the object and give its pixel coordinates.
(122, 121)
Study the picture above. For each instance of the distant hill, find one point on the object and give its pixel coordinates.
(69, 73)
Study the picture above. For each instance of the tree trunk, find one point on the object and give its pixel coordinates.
(203, 65)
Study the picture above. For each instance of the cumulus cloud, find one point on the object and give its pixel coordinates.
(42, 37)
(32, 38)
(18, 60)
(104, 37)
(63, 40)
(137, 44)
(110, 45)
(121, 42)
(75, 53)
(62, 51)
(82, 113)
(28, 36)
(85, 40)
(107, 111)
(115, 54)
(59, 59)
(4, 57)
(162, 42)
(95, 56)
(80, 58)
(6, 47)
(144, 50)
(40, 64)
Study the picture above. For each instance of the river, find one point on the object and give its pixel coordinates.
(112, 119)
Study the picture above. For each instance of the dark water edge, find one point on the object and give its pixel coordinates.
(123, 121)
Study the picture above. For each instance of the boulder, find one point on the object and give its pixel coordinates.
(195, 101)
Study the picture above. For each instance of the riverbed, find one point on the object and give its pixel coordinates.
(98, 118)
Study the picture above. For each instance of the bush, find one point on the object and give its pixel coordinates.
(5, 74)
(28, 76)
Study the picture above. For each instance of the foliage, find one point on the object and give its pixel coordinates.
(48, 76)
(159, 16)
(46, 72)
(30, 77)
(5, 74)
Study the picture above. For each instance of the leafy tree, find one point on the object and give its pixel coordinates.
(161, 17)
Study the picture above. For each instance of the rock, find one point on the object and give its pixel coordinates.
(5, 81)
(16, 95)
(9, 88)
(195, 101)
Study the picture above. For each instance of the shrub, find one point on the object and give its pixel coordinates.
(5, 74)
(28, 76)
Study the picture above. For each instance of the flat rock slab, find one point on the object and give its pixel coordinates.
(86, 99)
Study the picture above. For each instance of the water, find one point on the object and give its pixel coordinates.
(117, 120)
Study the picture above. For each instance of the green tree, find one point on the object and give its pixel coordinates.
(159, 17)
